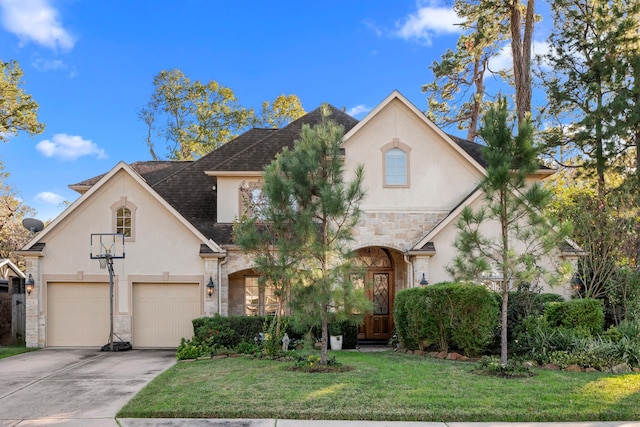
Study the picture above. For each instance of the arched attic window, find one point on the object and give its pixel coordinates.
(395, 164)
(123, 214)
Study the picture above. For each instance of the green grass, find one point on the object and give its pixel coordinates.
(383, 386)
(14, 350)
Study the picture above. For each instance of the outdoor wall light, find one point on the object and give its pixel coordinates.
(424, 282)
(210, 287)
(29, 284)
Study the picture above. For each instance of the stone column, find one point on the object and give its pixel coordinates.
(34, 325)
(420, 267)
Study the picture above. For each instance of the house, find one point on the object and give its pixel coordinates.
(177, 220)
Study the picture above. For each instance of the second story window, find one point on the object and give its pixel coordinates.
(396, 167)
(123, 221)
(396, 164)
(124, 218)
(252, 201)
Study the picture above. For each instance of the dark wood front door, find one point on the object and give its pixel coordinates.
(379, 323)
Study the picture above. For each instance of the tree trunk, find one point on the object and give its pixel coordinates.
(521, 53)
(503, 323)
(504, 219)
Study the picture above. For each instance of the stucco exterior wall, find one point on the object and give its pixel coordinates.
(438, 175)
(228, 197)
(445, 252)
(151, 254)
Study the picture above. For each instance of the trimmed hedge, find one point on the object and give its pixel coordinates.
(230, 331)
(447, 315)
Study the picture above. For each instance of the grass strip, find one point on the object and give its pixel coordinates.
(383, 386)
(14, 350)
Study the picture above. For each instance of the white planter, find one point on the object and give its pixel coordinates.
(336, 342)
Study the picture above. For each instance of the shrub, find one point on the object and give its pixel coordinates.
(246, 347)
(455, 315)
(189, 349)
(412, 317)
(586, 314)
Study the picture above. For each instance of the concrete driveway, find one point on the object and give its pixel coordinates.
(74, 387)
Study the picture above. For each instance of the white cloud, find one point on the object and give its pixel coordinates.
(428, 21)
(47, 64)
(358, 109)
(69, 147)
(49, 198)
(36, 21)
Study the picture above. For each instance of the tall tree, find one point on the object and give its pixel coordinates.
(194, 118)
(18, 110)
(312, 212)
(198, 116)
(265, 231)
(281, 111)
(591, 88)
(525, 234)
(458, 93)
(522, 26)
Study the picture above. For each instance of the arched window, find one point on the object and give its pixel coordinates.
(396, 164)
(123, 221)
(124, 218)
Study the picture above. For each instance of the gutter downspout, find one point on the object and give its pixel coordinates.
(411, 274)
(220, 264)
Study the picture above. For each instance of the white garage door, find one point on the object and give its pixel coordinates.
(77, 314)
(162, 313)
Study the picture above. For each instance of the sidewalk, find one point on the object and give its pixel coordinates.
(202, 422)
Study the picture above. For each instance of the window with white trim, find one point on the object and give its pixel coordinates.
(395, 162)
(123, 221)
(124, 218)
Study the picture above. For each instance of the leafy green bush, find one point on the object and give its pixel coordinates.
(189, 349)
(455, 315)
(536, 338)
(411, 316)
(586, 314)
(246, 347)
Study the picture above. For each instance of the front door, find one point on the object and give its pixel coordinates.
(377, 325)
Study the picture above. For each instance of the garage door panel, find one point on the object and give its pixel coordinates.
(77, 314)
(163, 313)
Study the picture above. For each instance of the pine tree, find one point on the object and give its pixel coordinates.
(308, 218)
(525, 234)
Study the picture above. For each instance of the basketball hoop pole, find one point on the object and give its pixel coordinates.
(110, 268)
(105, 247)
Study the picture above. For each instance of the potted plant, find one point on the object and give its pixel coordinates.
(335, 336)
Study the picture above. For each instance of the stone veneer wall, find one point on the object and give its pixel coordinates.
(398, 230)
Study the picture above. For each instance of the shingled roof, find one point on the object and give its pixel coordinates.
(151, 171)
(256, 156)
(190, 190)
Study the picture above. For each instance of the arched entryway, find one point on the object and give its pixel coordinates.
(379, 275)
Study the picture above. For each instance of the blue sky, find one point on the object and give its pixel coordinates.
(90, 65)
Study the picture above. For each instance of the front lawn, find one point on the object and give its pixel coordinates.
(383, 386)
(14, 350)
